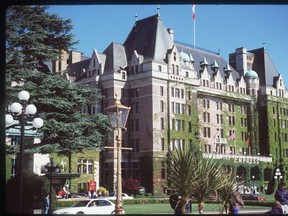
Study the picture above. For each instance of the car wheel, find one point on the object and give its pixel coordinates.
(80, 213)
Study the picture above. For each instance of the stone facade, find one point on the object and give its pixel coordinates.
(176, 92)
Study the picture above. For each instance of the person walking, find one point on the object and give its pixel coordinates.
(46, 204)
(281, 195)
(235, 203)
(276, 208)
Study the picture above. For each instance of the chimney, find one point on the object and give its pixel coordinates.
(171, 33)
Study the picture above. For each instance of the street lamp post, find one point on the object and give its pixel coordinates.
(237, 182)
(51, 168)
(24, 114)
(118, 115)
(278, 176)
(253, 178)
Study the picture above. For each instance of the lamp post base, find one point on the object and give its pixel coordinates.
(119, 209)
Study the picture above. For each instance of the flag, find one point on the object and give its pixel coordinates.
(193, 12)
(231, 137)
(248, 141)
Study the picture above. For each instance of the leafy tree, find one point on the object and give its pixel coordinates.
(35, 188)
(131, 186)
(33, 38)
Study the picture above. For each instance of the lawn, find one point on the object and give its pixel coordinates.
(166, 209)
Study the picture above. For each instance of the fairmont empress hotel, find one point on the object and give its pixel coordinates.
(237, 111)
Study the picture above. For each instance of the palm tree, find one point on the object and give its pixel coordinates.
(191, 173)
(182, 165)
(227, 192)
(208, 179)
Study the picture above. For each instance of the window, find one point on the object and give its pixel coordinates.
(231, 120)
(85, 166)
(172, 92)
(163, 170)
(182, 108)
(162, 144)
(190, 127)
(189, 110)
(177, 125)
(206, 117)
(137, 92)
(161, 90)
(177, 108)
(159, 68)
(123, 75)
(231, 107)
(172, 107)
(189, 95)
(162, 106)
(219, 105)
(205, 103)
(173, 124)
(162, 123)
(206, 132)
(137, 125)
(177, 92)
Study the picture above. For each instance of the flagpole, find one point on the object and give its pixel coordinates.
(194, 23)
(194, 34)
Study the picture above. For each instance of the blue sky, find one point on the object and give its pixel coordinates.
(218, 27)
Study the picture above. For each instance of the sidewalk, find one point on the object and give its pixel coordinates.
(242, 211)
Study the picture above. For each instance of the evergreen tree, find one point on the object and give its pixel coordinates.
(34, 38)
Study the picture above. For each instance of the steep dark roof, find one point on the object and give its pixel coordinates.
(264, 67)
(198, 56)
(75, 70)
(150, 38)
(115, 57)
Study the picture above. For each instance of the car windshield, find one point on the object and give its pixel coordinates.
(81, 203)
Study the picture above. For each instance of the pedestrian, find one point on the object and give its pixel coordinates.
(281, 196)
(46, 204)
(188, 206)
(276, 208)
(235, 202)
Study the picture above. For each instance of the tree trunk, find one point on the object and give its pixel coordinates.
(201, 207)
(69, 162)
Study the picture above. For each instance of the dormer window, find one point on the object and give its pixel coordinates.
(123, 75)
(174, 54)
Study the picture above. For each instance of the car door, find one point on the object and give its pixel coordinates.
(102, 207)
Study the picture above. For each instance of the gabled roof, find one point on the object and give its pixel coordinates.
(264, 67)
(150, 38)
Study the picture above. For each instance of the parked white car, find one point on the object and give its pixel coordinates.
(89, 206)
(113, 196)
